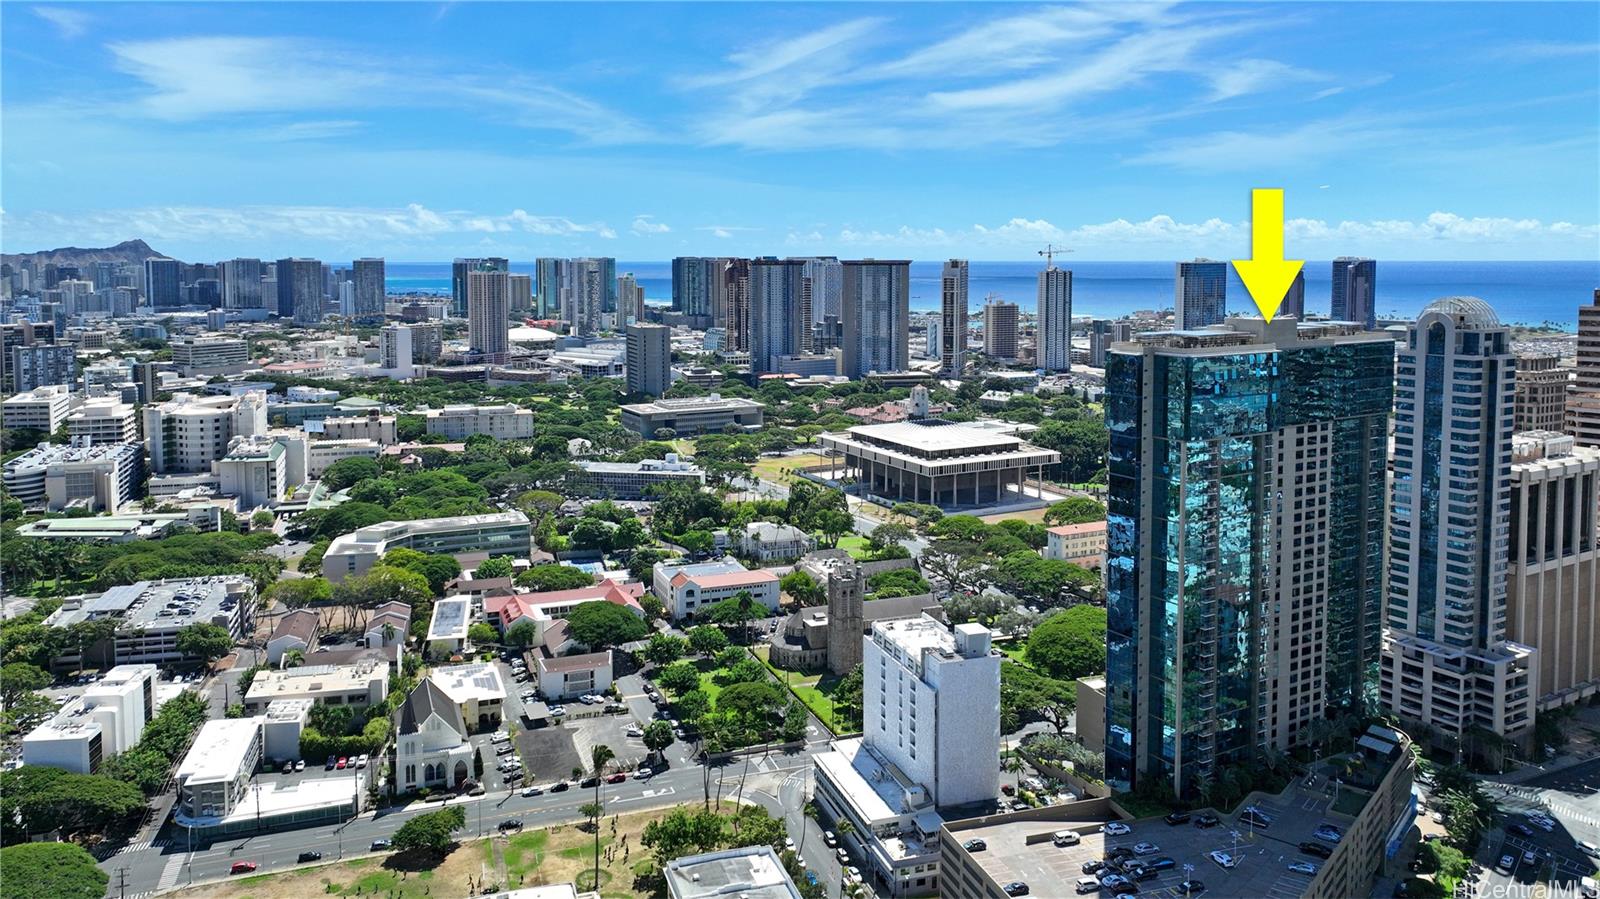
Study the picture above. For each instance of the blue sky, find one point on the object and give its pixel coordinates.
(422, 132)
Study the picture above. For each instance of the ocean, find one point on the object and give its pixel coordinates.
(1528, 293)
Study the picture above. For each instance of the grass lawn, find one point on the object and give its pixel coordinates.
(813, 689)
(49, 588)
(1015, 650)
(856, 546)
(684, 446)
(780, 469)
(560, 854)
(1031, 516)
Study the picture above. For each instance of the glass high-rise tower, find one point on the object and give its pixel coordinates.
(1245, 541)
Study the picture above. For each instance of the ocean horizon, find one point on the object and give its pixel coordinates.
(1524, 293)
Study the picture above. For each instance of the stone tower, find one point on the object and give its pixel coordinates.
(845, 617)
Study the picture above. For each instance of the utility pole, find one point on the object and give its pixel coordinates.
(122, 882)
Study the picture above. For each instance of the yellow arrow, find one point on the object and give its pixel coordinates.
(1267, 275)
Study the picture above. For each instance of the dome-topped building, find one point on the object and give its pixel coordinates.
(1469, 311)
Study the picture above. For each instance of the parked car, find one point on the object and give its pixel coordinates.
(342, 763)
(1317, 849)
(853, 874)
(559, 786)
(532, 791)
(1191, 888)
(1520, 829)
(617, 778)
(1528, 858)
(504, 749)
(1177, 818)
(1306, 868)
(634, 730)
(1087, 885)
(242, 868)
(1163, 863)
(1065, 838)
(1207, 820)
(288, 767)
(1505, 864)
(361, 760)
(842, 854)
(310, 857)
(476, 790)
(1015, 888)
(970, 845)
(332, 760)
(1115, 829)
(1223, 859)
(1092, 866)
(1145, 849)
(1328, 832)
(381, 845)
(832, 839)
(642, 773)
(300, 765)
(511, 824)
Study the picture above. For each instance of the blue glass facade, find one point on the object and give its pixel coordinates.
(1196, 476)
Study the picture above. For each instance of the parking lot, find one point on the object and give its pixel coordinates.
(1261, 856)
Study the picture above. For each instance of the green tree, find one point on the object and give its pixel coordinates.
(42, 799)
(432, 833)
(692, 705)
(348, 472)
(602, 625)
(495, 567)
(522, 634)
(653, 607)
(658, 736)
(888, 534)
(50, 871)
(591, 533)
(547, 578)
(897, 582)
(664, 649)
(17, 678)
(297, 593)
(1070, 644)
(205, 641)
(477, 765)
(482, 634)
(679, 677)
(1077, 510)
(707, 640)
(683, 831)
(600, 755)
(1027, 696)
(805, 590)
(262, 519)
(735, 611)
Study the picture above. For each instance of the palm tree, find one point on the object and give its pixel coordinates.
(599, 755)
(294, 658)
(388, 633)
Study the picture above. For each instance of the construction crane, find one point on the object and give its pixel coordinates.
(1049, 253)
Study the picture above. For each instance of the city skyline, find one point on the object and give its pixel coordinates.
(1131, 132)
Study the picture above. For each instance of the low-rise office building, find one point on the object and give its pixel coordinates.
(502, 422)
(752, 872)
(107, 720)
(256, 470)
(43, 409)
(104, 420)
(360, 686)
(631, 480)
(1081, 544)
(768, 542)
(125, 528)
(201, 356)
(374, 426)
(568, 677)
(215, 774)
(504, 611)
(447, 630)
(283, 722)
(54, 478)
(475, 688)
(497, 534)
(687, 588)
(692, 415)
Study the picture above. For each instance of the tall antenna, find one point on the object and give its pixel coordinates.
(1049, 253)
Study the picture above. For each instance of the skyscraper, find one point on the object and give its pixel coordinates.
(780, 321)
(488, 311)
(300, 290)
(999, 329)
(824, 287)
(241, 283)
(1200, 296)
(694, 285)
(458, 278)
(951, 346)
(649, 359)
(1244, 542)
(43, 365)
(1583, 402)
(521, 293)
(1447, 662)
(161, 281)
(630, 299)
(1294, 301)
(550, 276)
(732, 303)
(367, 275)
(1054, 347)
(876, 315)
(1355, 291)
(583, 300)
(1541, 393)
(1102, 334)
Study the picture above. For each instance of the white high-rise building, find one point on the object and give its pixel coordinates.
(488, 314)
(105, 419)
(107, 720)
(241, 283)
(188, 433)
(949, 346)
(588, 290)
(649, 363)
(41, 409)
(1447, 660)
(257, 471)
(1054, 341)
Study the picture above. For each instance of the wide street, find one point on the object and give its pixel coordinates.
(1572, 797)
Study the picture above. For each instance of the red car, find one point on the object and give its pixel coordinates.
(242, 868)
(343, 760)
(617, 778)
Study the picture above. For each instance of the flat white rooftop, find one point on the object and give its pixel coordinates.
(267, 799)
(218, 750)
(938, 436)
(451, 618)
(464, 683)
(314, 680)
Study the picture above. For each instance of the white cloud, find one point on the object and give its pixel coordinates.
(645, 224)
(279, 225)
(1526, 50)
(204, 77)
(1250, 76)
(1272, 149)
(70, 23)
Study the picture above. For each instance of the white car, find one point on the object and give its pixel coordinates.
(532, 791)
(634, 731)
(1306, 868)
(1115, 829)
(1223, 859)
(1145, 849)
(853, 874)
(642, 773)
(1544, 823)
(361, 760)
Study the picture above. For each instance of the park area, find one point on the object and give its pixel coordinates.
(560, 854)
(785, 469)
(816, 691)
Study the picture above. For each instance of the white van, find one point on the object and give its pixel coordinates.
(1088, 885)
(1065, 838)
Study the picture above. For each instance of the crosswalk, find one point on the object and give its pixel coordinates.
(155, 843)
(170, 874)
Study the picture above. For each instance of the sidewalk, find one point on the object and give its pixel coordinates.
(1529, 771)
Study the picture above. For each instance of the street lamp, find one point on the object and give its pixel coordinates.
(1188, 878)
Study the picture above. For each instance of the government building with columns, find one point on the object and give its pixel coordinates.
(941, 463)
